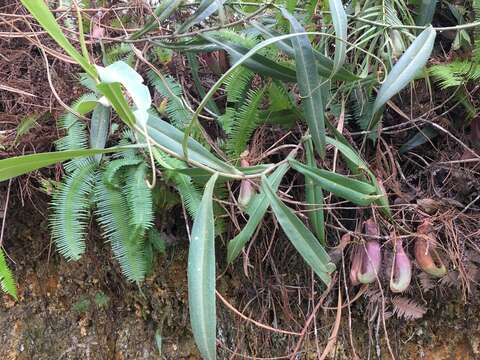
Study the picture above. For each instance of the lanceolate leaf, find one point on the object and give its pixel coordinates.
(404, 71)
(256, 211)
(19, 165)
(425, 12)
(42, 14)
(314, 197)
(358, 166)
(356, 163)
(163, 11)
(170, 138)
(206, 8)
(347, 188)
(99, 126)
(339, 18)
(196, 46)
(302, 239)
(7, 284)
(325, 65)
(193, 62)
(309, 84)
(257, 62)
(201, 275)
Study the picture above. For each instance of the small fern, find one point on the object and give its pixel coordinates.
(236, 88)
(7, 283)
(169, 89)
(235, 37)
(279, 97)
(407, 308)
(122, 51)
(245, 122)
(70, 212)
(455, 73)
(361, 107)
(189, 193)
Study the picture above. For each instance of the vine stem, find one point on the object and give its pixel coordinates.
(415, 27)
(5, 212)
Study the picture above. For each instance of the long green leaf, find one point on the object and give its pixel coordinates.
(256, 211)
(358, 166)
(163, 11)
(302, 239)
(201, 275)
(309, 84)
(425, 12)
(314, 197)
(349, 154)
(407, 67)
(324, 64)
(7, 283)
(193, 62)
(206, 8)
(198, 45)
(358, 192)
(19, 165)
(170, 138)
(339, 18)
(42, 14)
(257, 62)
(99, 125)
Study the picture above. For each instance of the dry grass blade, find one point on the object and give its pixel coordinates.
(14, 90)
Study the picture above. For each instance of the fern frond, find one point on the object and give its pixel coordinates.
(169, 89)
(76, 134)
(7, 283)
(88, 82)
(111, 170)
(279, 97)
(455, 73)
(236, 88)
(157, 240)
(361, 106)
(227, 119)
(127, 246)
(235, 37)
(237, 84)
(189, 193)
(70, 212)
(407, 308)
(139, 198)
(122, 51)
(246, 121)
